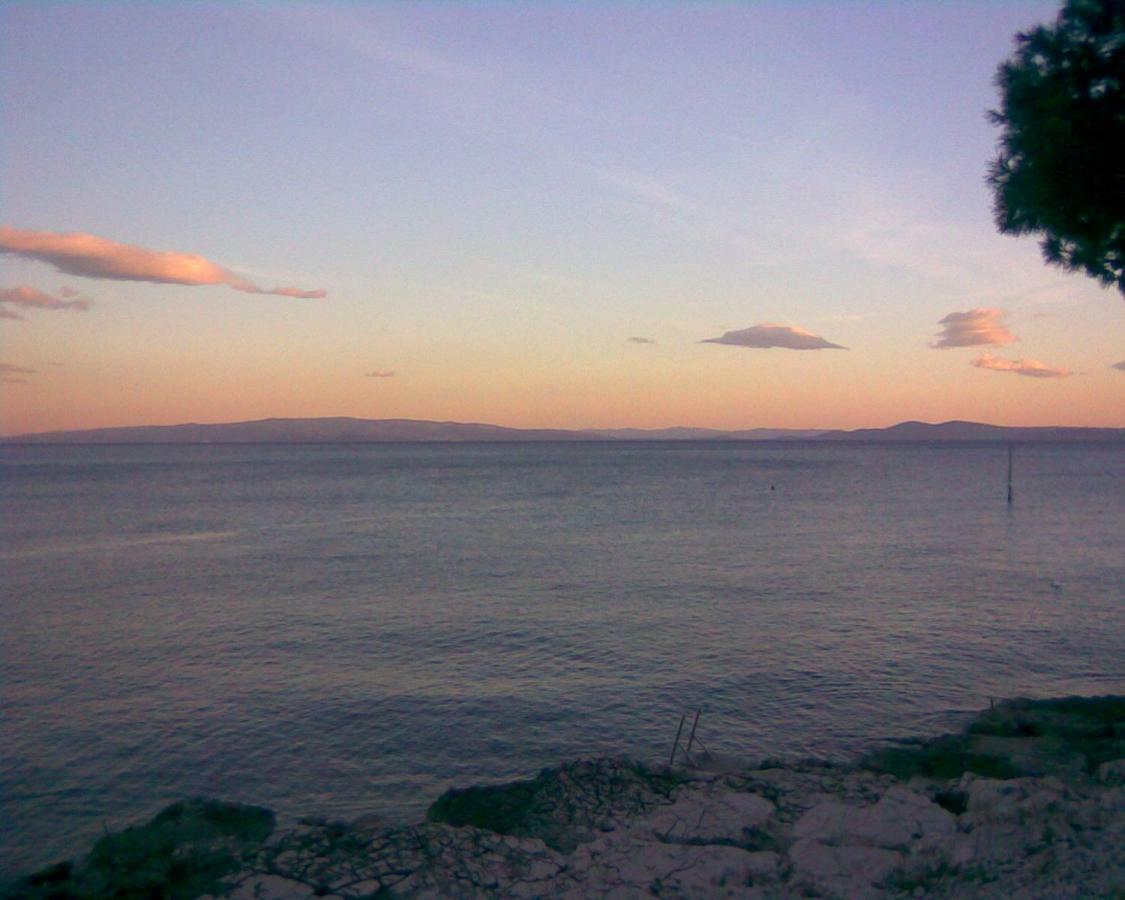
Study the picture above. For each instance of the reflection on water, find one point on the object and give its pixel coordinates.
(109, 545)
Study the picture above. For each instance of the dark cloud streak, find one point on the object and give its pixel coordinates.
(9, 374)
(767, 335)
(32, 298)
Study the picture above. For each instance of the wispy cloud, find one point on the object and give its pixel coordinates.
(765, 335)
(672, 209)
(1120, 365)
(472, 95)
(1030, 367)
(33, 298)
(640, 340)
(644, 189)
(380, 373)
(975, 328)
(880, 223)
(10, 374)
(345, 30)
(888, 237)
(90, 256)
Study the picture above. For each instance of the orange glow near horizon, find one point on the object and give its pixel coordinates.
(740, 394)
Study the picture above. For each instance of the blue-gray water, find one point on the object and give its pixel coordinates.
(352, 629)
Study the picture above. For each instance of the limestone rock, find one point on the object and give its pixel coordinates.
(710, 816)
(847, 870)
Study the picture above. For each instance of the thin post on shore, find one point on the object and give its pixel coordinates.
(691, 737)
(676, 743)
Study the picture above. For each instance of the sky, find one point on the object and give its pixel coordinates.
(727, 215)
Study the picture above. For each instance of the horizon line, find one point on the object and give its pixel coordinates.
(611, 433)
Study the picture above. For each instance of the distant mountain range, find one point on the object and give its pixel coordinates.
(704, 434)
(349, 430)
(972, 431)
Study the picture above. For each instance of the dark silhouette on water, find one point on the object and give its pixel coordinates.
(1009, 474)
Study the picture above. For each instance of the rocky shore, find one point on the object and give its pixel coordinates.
(1028, 801)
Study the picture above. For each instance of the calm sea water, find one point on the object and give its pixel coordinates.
(352, 629)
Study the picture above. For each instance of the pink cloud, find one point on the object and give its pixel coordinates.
(977, 327)
(1120, 365)
(381, 373)
(1030, 367)
(33, 298)
(91, 256)
(766, 335)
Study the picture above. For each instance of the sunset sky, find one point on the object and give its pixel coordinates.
(731, 215)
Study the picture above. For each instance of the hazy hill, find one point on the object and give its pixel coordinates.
(294, 431)
(350, 430)
(706, 434)
(972, 431)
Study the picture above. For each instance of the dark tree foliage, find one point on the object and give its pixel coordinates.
(1060, 171)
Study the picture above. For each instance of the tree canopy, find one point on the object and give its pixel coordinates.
(1060, 170)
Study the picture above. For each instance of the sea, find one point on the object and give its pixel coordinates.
(347, 630)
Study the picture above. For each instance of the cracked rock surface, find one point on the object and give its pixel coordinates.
(787, 831)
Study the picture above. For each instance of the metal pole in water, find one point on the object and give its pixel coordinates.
(1009, 474)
